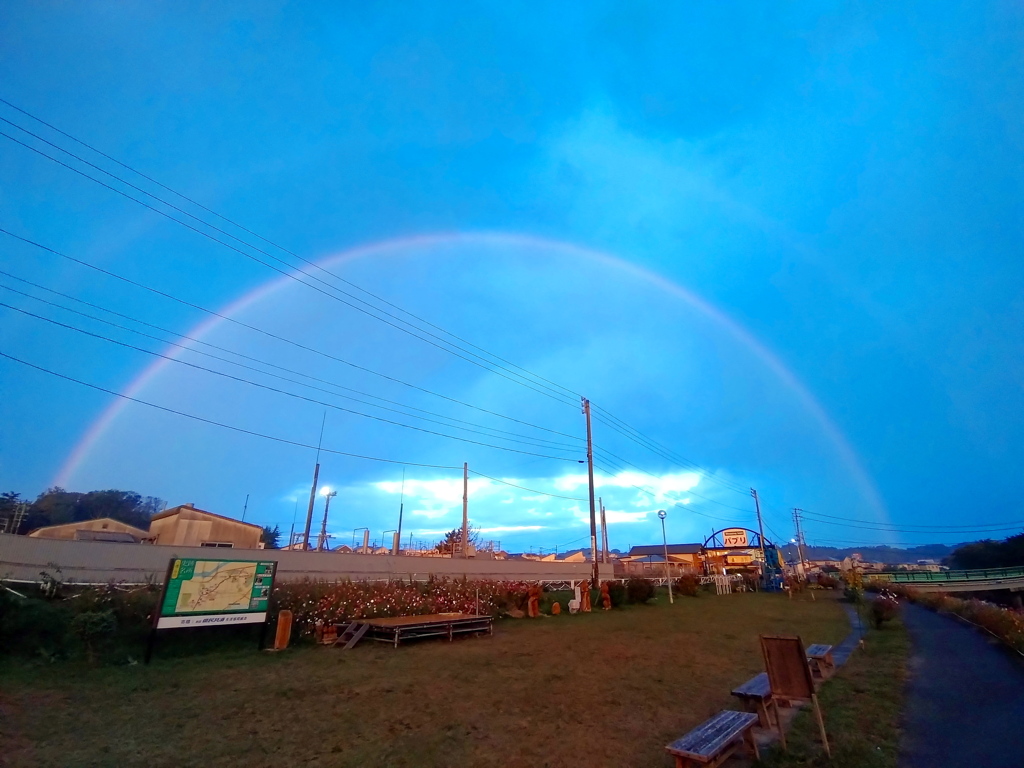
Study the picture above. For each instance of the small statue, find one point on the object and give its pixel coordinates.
(556, 609)
(533, 603)
(585, 596)
(606, 598)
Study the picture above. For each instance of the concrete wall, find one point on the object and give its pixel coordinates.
(22, 558)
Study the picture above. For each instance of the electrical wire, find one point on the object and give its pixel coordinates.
(293, 275)
(268, 334)
(249, 231)
(530, 440)
(523, 488)
(279, 391)
(217, 423)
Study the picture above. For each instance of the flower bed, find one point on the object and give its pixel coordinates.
(1005, 624)
(334, 602)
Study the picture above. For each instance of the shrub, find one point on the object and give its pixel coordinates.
(883, 609)
(827, 582)
(687, 585)
(639, 590)
(617, 592)
(853, 595)
(94, 629)
(30, 626)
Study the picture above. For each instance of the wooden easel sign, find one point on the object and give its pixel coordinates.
(785, 661)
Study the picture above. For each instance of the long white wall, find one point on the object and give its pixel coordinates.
(23, 558)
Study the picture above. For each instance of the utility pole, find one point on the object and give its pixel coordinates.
(604, 532)
(465, 509)
(312, 490)
(799, 539)
(401, 508)
(245, 507)
(328, 495)
(590, 475)
(760, 531)
(668, 572)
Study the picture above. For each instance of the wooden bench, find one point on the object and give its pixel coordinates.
(821, 661)
(757, 693)
(713, 742)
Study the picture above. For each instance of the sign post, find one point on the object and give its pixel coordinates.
(213, 593)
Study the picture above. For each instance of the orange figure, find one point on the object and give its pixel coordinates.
(556, 609)
(606, 598)
(585, 596)
(533, 604)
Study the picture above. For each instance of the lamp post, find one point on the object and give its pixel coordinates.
(664, 538)
(328, 494)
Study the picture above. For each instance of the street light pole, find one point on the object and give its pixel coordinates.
(664, 538)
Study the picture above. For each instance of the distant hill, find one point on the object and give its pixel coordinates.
(875, 554)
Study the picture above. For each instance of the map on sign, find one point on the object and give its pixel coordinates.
(217, 587)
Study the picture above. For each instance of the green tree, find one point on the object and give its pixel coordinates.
(453, 539)
(991, 554)
(56, 506)
(271, 537)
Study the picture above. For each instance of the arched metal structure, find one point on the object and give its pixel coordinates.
(717, 540)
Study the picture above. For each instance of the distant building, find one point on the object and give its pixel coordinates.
(100, 529)
(186, 526)
(649, 560)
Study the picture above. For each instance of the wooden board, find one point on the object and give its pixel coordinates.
(430, 618)
(758, 687)
(786, 664)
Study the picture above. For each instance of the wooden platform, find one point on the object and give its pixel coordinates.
(400, 628)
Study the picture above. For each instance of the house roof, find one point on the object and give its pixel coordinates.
(192, 508)
(119, 536)
(659, 549)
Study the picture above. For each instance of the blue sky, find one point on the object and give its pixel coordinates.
(782, 240)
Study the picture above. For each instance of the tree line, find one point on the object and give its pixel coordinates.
(56, 506)
(1008, 553)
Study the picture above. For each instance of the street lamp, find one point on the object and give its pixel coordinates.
(664, 538)
(328, 494)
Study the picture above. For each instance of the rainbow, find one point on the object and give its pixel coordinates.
(846, 453)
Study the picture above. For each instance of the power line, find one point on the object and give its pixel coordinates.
(298, 345)
(217, 423)
(439, 344)
(530, 440)
(244, 229)
(849, 522)
(279, 391)
(523, 488)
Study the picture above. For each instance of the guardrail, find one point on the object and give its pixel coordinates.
(931, 577)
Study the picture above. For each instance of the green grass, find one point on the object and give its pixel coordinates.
(599, 689)
(861, 707)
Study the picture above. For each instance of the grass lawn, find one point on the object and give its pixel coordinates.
(604, 689)
(861, 707)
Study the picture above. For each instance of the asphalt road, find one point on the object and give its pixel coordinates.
(965, 697)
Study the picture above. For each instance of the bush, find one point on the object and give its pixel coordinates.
(883, 609)
(94, 629)
(853, 595)
(30, 626)
(687, 585)
(827, 582)
(617, 592)
(639, 590)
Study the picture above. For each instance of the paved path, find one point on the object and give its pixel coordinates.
(965, 697)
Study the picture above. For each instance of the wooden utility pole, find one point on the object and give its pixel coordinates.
(312, 491)
(465, 509)
(604, 532)
(760, 530)
(401, 509)
(799, 539)
(590, 475)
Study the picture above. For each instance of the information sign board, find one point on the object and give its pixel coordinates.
(735, 537)
(211, 593)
